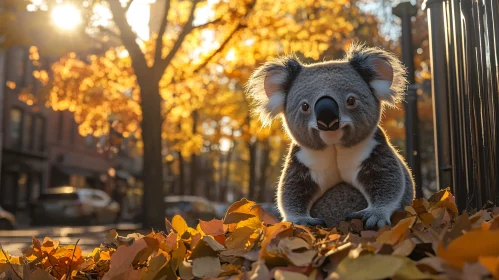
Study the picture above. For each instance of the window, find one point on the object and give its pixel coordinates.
(27, 142)
(8, 186)
(22, 189)
(16, 119)
(60, 127)
(39, 134)
(18, 63)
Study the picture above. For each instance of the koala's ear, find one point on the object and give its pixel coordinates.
(381, 70)
(270, 83)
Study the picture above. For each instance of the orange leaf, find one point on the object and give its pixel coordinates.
(469, 247)
(213, 227)
(397, 234)
(491, 264)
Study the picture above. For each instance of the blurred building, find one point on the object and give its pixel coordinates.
(24, 149)
(42, 148)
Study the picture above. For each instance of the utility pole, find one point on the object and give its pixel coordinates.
(2, 88)
(405, 10)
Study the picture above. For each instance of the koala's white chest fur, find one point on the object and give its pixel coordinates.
(337, 163)
(323, 166)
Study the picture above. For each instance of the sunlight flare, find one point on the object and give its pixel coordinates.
(66, 16)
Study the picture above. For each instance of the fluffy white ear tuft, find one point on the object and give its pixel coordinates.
(268, 86)
(382, 90)
(276, 104)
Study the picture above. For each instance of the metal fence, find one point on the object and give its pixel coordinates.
(464, 41)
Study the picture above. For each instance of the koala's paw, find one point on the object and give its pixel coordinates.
(372, 217)
(308, 221)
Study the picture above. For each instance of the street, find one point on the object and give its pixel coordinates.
(15, 241)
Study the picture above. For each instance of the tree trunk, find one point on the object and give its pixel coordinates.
(153, 199)
(181, 174)
(262, 181)
(194, 176)
(219, 193)
(226, 179)
(252, 170)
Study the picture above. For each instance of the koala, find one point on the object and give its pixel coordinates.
(341, 164)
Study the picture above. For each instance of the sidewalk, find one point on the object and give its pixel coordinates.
(67, 231)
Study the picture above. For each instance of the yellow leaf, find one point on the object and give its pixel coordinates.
(179, 225)
(378, 267)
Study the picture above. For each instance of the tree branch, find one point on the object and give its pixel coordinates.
(227, 40)
(161, 32)
(163, 63)
(208, 23)
(128, 37)
(128, 6)
(219, 49)
(108, 31)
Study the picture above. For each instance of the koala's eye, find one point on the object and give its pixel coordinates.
(305, 107)
(351, 101)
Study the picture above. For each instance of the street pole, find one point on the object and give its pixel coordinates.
(2, 89)
(405, 10)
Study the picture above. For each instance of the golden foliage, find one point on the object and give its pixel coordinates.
(199, 79)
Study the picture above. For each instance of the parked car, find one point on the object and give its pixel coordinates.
(191, 208)
(7, 220)
(68, 205)
(221, 209)
(271, 208)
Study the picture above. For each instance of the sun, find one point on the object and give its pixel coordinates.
(66, 16)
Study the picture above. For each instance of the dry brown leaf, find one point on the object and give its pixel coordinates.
(475, 271)
(405, 248)
(185, 271)
(122, 259)
(259, 271)
(40, 274)
(297, 251)
(206, 267)
(287, 275)
(168, 226)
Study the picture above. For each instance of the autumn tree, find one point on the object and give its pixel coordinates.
(197, 40)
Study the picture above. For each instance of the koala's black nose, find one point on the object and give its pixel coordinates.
(327, 113)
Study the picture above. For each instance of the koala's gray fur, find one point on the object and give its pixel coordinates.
(352, 172)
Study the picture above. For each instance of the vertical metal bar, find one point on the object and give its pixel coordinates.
(459, 118)
(493, 24)
(438, 58)
(405, 10)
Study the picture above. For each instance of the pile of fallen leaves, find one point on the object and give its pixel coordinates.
(429, 241)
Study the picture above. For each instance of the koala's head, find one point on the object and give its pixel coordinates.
(334, 102)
